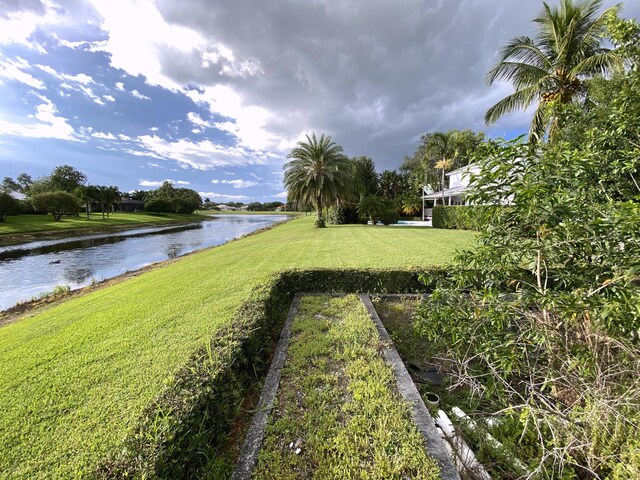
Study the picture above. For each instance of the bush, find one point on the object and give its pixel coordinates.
(389, 217)
(460, 217)
(335, 216)
(57, 203)
(190, 421)
(8, 205)
(158, 206)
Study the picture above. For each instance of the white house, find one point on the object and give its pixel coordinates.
(454, 195)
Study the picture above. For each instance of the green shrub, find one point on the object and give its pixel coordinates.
(335, 215)
(390, 216)
(460, 217)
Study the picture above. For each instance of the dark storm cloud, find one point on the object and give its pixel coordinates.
(375, 74)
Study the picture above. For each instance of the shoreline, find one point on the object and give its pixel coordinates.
(10, 239)
(20, 310)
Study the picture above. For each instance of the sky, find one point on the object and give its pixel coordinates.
(212, 95)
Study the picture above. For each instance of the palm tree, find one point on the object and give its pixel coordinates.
(318, 173)
(567, 50)
(442, 145)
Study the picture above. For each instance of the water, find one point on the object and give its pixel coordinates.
(32, 269)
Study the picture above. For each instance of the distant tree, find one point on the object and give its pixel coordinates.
(137, 195)
(88, 194)
(365, 179)
(318, 173)
(8, 205)
(553, 67)
(21, 184)
(57, 203)
(255, 207)
(66, 178)
(390, 184)
(158, 205)
(107, 197)
(410, 203)
(180, 200)
(376, 208)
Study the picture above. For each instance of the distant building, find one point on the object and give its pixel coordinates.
(227, 208)
(454, 195)
(131, 206)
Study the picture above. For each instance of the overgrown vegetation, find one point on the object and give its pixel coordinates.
(339, 414)
(463, 217)
(542, 317)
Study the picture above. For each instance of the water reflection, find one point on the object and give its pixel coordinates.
(31, 269)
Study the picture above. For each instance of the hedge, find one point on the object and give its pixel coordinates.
(460, 217)
(188, 423)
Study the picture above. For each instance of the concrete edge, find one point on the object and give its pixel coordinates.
(253, 441)
(421, 416)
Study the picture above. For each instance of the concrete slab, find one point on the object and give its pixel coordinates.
(255, 435)
(421, 416)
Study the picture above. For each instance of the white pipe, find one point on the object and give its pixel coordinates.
(493, 443)
(454, 458)
(473, 466)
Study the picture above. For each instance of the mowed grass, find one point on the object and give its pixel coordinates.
(74, 378)
(45, 223)
(339, 413)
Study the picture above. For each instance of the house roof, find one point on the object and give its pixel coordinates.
(449, 192)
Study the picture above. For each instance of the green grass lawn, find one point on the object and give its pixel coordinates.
(74, 378)
(338, 403)
(45, 223)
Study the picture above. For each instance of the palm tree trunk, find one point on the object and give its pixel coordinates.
(319, 206)
(442, 184)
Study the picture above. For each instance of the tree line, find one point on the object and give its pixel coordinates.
(319, 176)
(65, 191)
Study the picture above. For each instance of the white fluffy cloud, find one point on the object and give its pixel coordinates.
(103, 136)
(236, 183)
(158, 183)
(201, 155)
(223, 197)
(46, 124)
(15, 70)
(139, 95)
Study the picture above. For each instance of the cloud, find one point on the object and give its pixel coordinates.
(18, 22)
(249, 123)
(103, 136)
(47, 125)
(15, 70)
(109, 98)
(280, 195)
(81, 78)
(221, 196)
(139, 95)
(197, 120)
(158, 183)
(236, 183)
(120, 86)
(200, 155)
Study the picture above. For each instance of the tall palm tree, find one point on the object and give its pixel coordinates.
(567, 51)
(318, 173)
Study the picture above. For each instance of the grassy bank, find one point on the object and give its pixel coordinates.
(339, 414)
(29, 227)
(74, 378)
